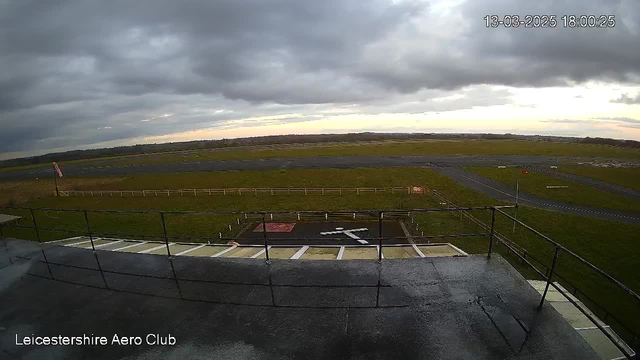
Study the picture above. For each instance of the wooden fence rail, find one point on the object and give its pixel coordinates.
(409, 190)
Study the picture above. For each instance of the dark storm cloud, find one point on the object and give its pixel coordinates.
(87, 71)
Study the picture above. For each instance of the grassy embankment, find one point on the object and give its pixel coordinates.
(611, 246)
(576, 193)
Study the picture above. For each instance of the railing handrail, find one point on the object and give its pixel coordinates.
(318, 212)
(581, 259)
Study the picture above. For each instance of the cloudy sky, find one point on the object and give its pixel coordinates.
(82, 74)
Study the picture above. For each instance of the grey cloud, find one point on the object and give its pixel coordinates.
(626, 99)
(77, 67)
(619, 121)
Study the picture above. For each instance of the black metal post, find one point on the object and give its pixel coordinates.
(6, 247)
(95, 254)
(166, 243)
(380, 236)
(55, 179)
(166, 237)
(553, 266)
(264, 236)
(493, 223)
(35, 226)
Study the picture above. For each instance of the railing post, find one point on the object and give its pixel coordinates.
(553, 266)
(493, 223)
(35, 226)
(166, 237)
(380, 236)
(264, 236)
(93, 247)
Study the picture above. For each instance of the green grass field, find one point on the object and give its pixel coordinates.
(576, 193)
(609, 245)
(629, 177)
(448, 147)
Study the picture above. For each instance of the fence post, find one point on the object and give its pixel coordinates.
(493, 222)
(264, 236)
(35, 226)
(166, 237)
(553, 266)
(380, 236)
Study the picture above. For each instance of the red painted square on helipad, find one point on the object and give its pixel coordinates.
(276, 227)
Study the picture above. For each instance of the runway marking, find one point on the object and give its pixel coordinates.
(109, 243)
(300, 252)
(224, 251)
(340, 253)
(190, 250)
(130, 246)
(153, 249)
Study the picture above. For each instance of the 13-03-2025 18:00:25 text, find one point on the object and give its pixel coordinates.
(551, 21)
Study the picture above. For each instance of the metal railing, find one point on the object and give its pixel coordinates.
(549, 275)
(377, 215)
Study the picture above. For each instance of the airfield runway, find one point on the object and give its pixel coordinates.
(445, 165)
(101, 168)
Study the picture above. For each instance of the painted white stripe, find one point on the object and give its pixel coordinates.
(130, 246)
(109, 243)
(190, 250)
(224, 251)
(79, 243)
(300, 252)
(592, 327)
(381, 253)
(418, 250)
(153, 248)
(340, 253)
(259, 253)
(56, 241)
(458, 249)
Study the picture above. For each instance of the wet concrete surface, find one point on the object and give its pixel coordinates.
(439, 308)
(500, 191)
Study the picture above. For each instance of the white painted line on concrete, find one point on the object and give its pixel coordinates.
(190, 250)
(56, 241)
(340, 253)
(259, 253)
(153, 248)
(224, 251)
(300, 252)
(418, 250)
(79, 243)
(378, 251)
(109, 243)
(458, 249)
(592, 327)
(130, 246)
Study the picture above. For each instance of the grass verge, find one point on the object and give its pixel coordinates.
(576, 193)
(629, 177)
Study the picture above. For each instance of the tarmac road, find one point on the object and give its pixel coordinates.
(503, 192)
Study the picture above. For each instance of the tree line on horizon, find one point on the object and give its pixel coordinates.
(141, 149)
